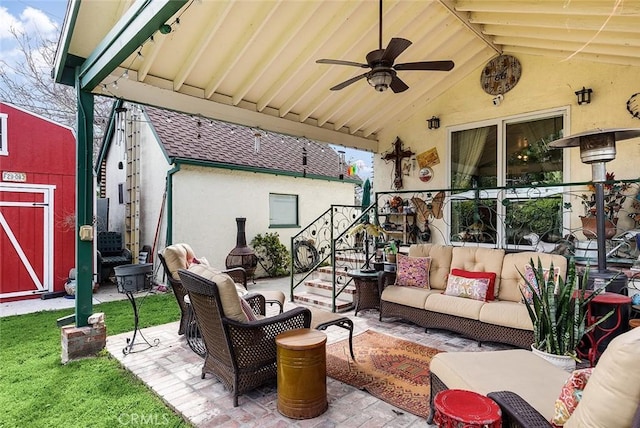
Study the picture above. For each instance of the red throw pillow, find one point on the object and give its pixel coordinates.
(491, 276)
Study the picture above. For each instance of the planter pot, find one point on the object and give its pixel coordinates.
(391, 258)
(565, 363)
(589, 227)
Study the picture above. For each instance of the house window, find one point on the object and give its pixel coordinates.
(283, 210)
(4, 150)
(503, 175)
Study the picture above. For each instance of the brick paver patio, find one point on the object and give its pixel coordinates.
(172, 371)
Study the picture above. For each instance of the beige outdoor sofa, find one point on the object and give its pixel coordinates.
(503, 320)
(526, 386)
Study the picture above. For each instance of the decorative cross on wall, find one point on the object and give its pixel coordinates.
(397, 155)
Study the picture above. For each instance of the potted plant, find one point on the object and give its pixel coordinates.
(558, 312)
(614, 198)
(391, 249)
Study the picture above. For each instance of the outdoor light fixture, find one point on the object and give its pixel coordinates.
(165, 28)
(380, 80)
(597, 147)
(584, 95)
(434, 122)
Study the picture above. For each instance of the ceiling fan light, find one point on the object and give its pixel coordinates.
(380, 80)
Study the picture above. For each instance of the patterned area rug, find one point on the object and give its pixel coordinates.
(393, 370)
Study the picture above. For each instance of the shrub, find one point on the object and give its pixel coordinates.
(273, 256)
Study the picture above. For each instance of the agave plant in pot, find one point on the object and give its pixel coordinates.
(558, 310)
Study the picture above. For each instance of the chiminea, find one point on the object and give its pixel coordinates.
(242, 255)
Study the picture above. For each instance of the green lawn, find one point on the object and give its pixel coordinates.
(36, 390)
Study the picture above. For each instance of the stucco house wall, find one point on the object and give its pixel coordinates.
(204, 214)
(546, 84)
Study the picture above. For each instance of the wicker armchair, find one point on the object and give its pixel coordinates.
(239, 276)
(242, 355)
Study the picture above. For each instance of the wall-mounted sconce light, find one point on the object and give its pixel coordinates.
(434, 122)
(584, 95)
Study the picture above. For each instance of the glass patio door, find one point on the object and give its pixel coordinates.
(504, 177)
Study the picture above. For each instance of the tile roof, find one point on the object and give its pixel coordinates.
(198, 138)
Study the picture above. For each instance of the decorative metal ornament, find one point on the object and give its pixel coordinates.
(500, 75)
(633, 105)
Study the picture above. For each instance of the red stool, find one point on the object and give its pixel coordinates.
(457, 408)
(618, 301)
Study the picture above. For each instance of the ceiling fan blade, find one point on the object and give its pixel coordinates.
(348, 82)
(394, 49)
(425, 65)
(397, 85)
(341, 62)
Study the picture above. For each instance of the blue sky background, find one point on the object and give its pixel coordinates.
(46, 17)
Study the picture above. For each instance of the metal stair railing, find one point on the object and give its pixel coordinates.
(319, 242)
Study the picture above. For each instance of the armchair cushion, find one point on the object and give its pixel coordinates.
(175, 257)
(612, 394)
(226, 287)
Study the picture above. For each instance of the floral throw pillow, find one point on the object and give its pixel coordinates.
(469, 288)
(530, 277)
(413, 271)
(570, 396)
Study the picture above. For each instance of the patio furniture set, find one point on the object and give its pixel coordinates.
(244, 349)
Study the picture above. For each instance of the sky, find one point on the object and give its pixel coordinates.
(47, 17)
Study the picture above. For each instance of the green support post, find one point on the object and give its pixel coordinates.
(84, 204)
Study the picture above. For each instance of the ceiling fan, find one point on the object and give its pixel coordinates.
(383, 73)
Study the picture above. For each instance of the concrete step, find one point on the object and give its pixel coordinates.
(325, 288)
(322, 302)
(325, 273)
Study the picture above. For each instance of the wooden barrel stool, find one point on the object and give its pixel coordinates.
(302, 373)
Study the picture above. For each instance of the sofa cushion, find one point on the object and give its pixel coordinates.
(570, 395)
(612, 394)
(491, 276)
(534, 379)
(466, 308)
(506, 314)
(413, 271)
(478, 259)
(514, 263)
(226, 288)
(408, 296)
(440, 262)
(530, 284)
(467, 288)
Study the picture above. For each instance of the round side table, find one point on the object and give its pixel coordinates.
(367, 293)
(459, 408)
(302, 373)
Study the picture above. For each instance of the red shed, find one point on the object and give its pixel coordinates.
(37, 204)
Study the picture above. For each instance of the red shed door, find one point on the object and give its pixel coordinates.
(26, 239)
